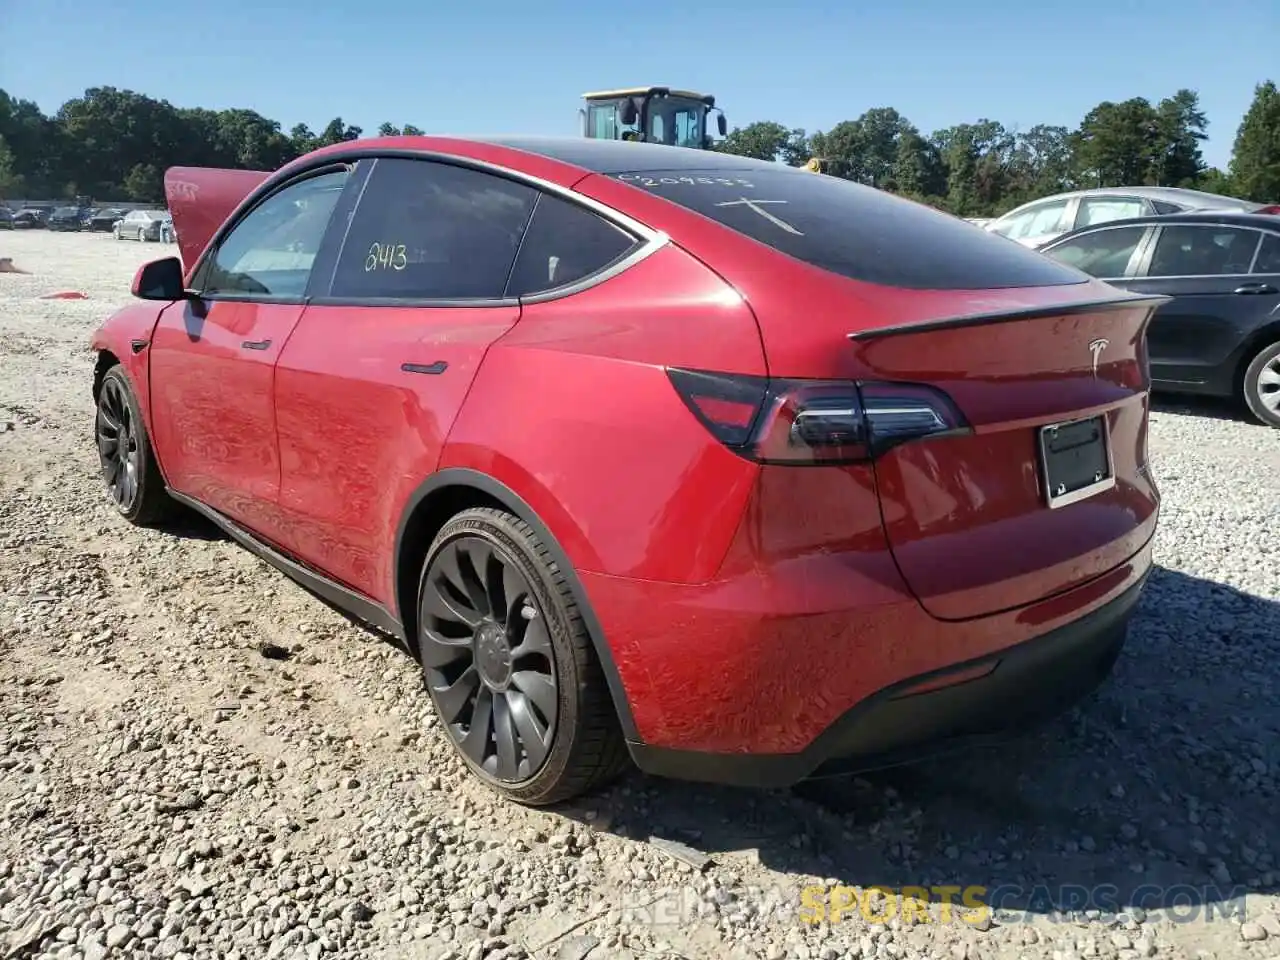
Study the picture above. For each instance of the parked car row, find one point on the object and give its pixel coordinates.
(123, 223)
(1035, 223)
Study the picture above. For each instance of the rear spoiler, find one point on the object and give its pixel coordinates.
(1005, 316)
(200, 200)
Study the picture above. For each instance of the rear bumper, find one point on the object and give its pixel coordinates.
(981, 700)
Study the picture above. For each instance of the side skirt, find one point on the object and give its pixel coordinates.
(344, 598)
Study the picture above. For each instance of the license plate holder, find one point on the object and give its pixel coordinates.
(1075, 460)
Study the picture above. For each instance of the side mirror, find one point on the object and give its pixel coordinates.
(722, 124)
(628, 112)
(160, 280)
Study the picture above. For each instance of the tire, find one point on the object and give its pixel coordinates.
(489, 590)
(129, 468)
(1261, 385)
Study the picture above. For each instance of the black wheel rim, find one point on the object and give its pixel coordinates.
(117, 445)
(488, 659)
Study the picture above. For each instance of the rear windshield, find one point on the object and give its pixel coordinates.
(856, 231)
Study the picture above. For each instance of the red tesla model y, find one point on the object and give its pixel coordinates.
(741, 473)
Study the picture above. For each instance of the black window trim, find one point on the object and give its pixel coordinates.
(1257, 254)
(1145, 267)
(260, 195)
(649, 241)
(1137, 259)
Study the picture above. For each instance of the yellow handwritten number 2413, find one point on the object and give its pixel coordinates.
(383, 256)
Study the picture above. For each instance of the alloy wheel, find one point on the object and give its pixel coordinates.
(118, 448)
(488, 658)
(1267, 385)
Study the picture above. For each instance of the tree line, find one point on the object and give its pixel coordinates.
(984, 168)
(112, 143)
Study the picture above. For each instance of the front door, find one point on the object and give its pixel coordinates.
(378, 368)
(213, 358)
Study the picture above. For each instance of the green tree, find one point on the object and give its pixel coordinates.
(1180, 125)
(1255, 161)
(144, 183)
(765, 140)
(1118, 144)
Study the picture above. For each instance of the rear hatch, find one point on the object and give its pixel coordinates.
(1045, 366)
(1048, 488)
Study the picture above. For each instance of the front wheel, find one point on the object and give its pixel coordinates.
(1262, 385)
(509, 664)
(129, 468)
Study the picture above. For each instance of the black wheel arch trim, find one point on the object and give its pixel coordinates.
(483, 483)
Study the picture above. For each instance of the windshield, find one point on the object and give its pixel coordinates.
(66, 212)
(854, 230)
(672, 120)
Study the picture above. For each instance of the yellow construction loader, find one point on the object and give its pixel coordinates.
(677, 118)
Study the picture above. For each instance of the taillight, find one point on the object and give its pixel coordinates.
(1274, 208)
(814, 421)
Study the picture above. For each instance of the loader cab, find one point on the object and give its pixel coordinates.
(676, 118)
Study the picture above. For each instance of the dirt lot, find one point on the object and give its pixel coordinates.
(167, 790)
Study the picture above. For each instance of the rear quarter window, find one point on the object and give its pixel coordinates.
(854, 230)
(564, 244)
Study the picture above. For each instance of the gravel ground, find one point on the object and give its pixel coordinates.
(201, 760)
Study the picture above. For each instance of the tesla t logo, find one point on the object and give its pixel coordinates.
(1095, 350)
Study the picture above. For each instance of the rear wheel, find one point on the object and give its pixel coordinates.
(509, 665)
(129, 467)
(1262, 385)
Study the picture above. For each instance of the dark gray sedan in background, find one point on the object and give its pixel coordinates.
(1220, 333)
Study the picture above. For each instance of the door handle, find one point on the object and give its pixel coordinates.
(1254, 288)
(255, 344)
(440, 366)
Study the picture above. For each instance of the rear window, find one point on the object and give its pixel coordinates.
(856, 231)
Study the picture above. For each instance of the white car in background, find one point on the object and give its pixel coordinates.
(1040, 221)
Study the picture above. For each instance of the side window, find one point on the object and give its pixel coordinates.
(1163, 208)
(1200, 251)
(1035, 221)
(269, 253)
(564, 243)
(1095, 210)
(1103, 253)
(1269, 256)
(432, 231)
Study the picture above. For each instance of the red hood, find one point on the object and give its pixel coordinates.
(200, 200)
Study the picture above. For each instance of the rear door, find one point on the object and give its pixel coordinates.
(372, 379)
(212, 361)
(1217, 301)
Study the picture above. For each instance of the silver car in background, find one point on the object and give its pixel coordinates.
(140, 225)
(1040, 221)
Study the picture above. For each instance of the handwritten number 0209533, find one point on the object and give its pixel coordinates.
(386, 256)
(646, 181)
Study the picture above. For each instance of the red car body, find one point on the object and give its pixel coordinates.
(761, 614)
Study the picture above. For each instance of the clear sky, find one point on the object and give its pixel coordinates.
(503, 66)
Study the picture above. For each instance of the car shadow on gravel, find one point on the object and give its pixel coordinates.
(1158, 789)
(1211, 408)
